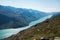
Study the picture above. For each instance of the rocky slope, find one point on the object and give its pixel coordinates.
(47, 29)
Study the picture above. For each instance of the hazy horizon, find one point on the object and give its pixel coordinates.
(41, 5)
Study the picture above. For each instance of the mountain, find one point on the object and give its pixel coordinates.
(55, 13)
(11, 17)
(50, 28)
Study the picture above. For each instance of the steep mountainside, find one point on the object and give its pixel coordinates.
(18, 17)
(47, 29)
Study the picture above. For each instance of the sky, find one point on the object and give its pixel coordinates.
(41, 5)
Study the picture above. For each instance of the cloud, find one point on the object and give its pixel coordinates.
(52, 10)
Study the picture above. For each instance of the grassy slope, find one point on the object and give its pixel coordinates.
(48, 29)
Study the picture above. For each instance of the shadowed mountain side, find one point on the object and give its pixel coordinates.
(18, 17)
(9, 22)
(48, 29)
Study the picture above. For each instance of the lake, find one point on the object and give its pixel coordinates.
(8, 32)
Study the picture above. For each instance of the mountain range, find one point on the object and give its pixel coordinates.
(11, 17)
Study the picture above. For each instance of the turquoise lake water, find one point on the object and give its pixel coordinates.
(8, 32)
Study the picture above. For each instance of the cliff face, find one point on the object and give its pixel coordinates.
(48, 29)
